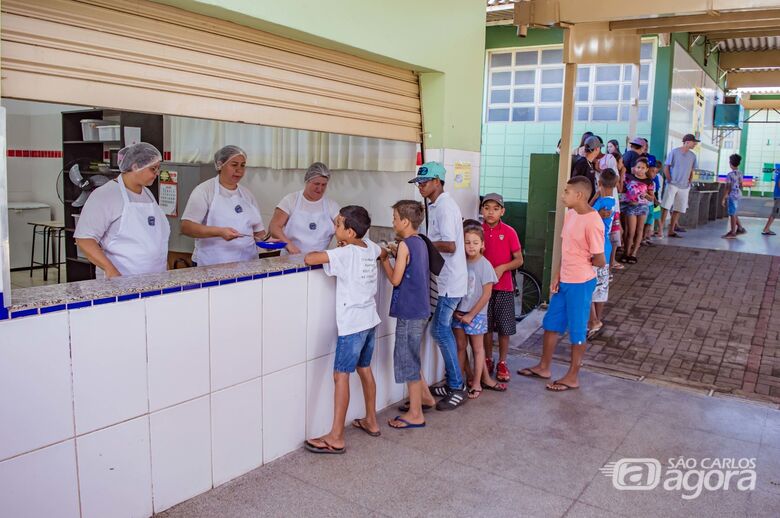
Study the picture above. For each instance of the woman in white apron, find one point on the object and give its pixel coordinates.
(122, 229)
(304, 219)
(222, 215)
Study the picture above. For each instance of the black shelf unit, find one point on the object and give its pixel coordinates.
(75, 149)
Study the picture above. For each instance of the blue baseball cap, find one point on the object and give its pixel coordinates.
(652, 161)
(429, 171)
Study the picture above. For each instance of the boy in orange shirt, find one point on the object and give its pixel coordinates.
(571, 289)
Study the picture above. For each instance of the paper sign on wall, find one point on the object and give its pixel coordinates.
(132, 135)
(169, 193)
(462, 175)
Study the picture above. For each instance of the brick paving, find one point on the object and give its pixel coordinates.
(703, 318)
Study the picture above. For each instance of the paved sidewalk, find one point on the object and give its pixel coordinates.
(703, 318)
(526, 452)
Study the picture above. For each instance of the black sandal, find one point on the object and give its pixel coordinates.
(632, 259)
(405, 407)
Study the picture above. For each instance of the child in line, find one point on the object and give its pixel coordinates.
(638, 197)
(733, 194)
(410, 277)
(653, 216)
(572, 286)
(605, 205)
(470, 321)
(502, 249)
(353, 264)
(775, 208)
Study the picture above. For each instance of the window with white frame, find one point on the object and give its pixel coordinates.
(526, 85)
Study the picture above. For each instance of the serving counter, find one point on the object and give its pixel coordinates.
(130, 395)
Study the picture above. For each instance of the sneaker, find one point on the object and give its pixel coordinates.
(768, 233)
(502, 372)
(455, 399)
(440, 390)
(489, 365)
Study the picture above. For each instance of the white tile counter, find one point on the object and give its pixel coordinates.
(130, 407)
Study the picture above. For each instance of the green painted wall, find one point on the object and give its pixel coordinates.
(500, 36)
(698, 54)
(662, 93)
(445, 38)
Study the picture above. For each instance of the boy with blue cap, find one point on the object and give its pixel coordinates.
(445, 230)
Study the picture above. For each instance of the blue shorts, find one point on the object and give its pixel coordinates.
(733, 206)
(354, 350)
(478, 326)
(570, 309)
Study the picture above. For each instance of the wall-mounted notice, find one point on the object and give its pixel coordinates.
(462, 175)
(132, 135)
(169, 193)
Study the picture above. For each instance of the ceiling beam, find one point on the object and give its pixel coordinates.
(715, 27)
(759, 79)
(667, 22)
(751, 59)
(728, 35)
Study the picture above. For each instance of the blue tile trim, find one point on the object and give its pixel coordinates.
(303, 269)
(24, 313)
(128, 296)
(171, 290)
(316, 267)
(209, 284)
(150, 293)
(291, 270)
(81, 304)
(227, 281)
(3, 310)
(260, 276)
(52, 309)
(244, 279)
(274, 274)
(105, 300)
(190, 287)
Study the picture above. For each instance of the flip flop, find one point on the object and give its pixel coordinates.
(768, 233)
(406, 423)
(498, 387)
(617, 266)
(595, 331)
(405, 407)
(560, 384)
(524, 372)
(474, 391)
(358, 423)
(674, 234)
(327, 449)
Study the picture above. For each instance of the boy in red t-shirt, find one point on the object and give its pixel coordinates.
(502, 249)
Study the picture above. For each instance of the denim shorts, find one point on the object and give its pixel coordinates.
(406, 356)
(570, 309)
(478, 326)
(733, 206)
(354, 350)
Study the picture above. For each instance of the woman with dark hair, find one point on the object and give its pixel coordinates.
(613, 146)
(580, 150)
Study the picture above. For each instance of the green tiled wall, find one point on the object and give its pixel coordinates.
(543, 182)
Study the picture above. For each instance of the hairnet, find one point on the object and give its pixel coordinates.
(224, 155)
(137, 156)
(315, 170)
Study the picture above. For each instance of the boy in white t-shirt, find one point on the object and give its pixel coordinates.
(354, 264)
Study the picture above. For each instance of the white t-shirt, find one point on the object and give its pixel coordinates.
(101, 215)
(355, 269)
(446, 224)
(197, 208)
(313, 207)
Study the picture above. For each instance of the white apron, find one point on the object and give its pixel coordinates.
(141, 245)
(234, 212)
(310, 232)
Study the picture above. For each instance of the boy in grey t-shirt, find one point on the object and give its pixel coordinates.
(678, 174)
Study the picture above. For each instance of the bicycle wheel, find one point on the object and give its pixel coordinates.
(528, 294)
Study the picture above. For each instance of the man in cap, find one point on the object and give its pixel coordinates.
(445, 230)
(678, 175)
(634, 151)
(585, 165)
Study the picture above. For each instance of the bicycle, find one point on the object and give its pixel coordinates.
(527, 292)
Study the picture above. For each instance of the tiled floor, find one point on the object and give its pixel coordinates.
(526, 452)
(709, 237)
(22, 279)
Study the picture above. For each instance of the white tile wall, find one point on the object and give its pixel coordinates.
(384, 294)
(431, 360)
(388, 391)
(236, 332)
(181, 452)
(108, 347)
(236, 430)
(115, 472)
(36, 397)
(284, 322)
(177, 336)
(319, 395)
(321, 332)
(40, 484)
(284, 411)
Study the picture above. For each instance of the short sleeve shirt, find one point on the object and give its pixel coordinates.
(501, 243)
(446, 224)
(197, 209)
(734, 179)
(287, 205)
(583, 237)
(479, 273)
(355, 269)
(681, 163)
(777, 184)
(609, 204)
(102, 214)
(583, 167)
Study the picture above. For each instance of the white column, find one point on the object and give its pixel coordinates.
(5, 263)
(633, 110)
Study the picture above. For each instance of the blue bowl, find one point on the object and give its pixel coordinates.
(271, 245)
